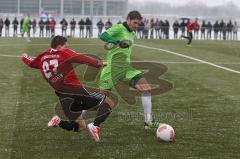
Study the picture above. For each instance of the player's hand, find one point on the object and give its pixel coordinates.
(104, 63)
(26, 59)
(24, 55)
(125, 43)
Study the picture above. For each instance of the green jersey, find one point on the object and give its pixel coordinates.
(118, 59)
(26, 23)
(119, 32)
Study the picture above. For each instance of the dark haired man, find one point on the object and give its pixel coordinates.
(7, 24)
(15, 26)
(56, 68)
(119, 64)
(175, 29)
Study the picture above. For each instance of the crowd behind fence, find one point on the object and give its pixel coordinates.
(148, 29)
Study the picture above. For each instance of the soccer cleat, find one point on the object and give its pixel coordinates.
(95, 131)
(189, 45)
(151, 124)
(54, 122)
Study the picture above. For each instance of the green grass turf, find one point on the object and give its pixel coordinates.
(203, 107)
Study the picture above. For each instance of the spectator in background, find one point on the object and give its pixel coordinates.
(72, 27)
(47, 24)
(152, 25)
(235, 31)
(108, 24)
(88, 24)
(119, 22)
(196, 31)
(182, 27)
(161, 29)
(64, 24)
(167, 25)
(1, 26)
(229, 30)
(203, 30)
(138, 32)
(224, 31)
(34, 26)
(164, 29)
(209, 30)
(216, 30)
(41, 27)
(7, 24)
(157, 29)
(52, 27)
(141, 27)
(146, 28)
(21, 25)
(81, 24)
(175, 29)
(221, 25)
(100, 26)
(15, 27)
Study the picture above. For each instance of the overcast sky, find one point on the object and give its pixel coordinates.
(181, 2)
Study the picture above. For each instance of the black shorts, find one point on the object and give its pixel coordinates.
(190, 34)
(133, 82)
(83, 100)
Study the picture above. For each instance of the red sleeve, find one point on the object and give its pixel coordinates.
(32, 62)
(84, 59)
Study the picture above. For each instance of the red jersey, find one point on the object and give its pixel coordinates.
(193, 26)
(52, 24)
(56, 67)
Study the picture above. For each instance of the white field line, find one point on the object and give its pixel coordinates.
(162, 62)
(189, 62)
(4, 55)
(189, 57)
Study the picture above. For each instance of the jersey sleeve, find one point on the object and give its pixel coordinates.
(114, 30)
(32, 62)
(84, 59)
(110, 34)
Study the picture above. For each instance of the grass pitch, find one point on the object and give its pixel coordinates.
(203, 107)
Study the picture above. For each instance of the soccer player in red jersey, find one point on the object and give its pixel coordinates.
(190, 27)
(56, 66)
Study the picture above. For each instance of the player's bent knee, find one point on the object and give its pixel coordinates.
(109, 102)
(146, 91)
(144, 88)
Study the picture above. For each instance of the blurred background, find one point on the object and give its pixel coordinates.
(218, 19)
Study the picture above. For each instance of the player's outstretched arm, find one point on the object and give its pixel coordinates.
(88, 60)
(31, 62)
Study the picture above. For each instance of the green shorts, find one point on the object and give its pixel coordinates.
(109, 77)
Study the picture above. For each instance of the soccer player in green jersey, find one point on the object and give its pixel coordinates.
(119, 64)
(25, 27)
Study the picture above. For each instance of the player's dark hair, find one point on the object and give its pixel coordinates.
(58, 40)
(134, 15)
